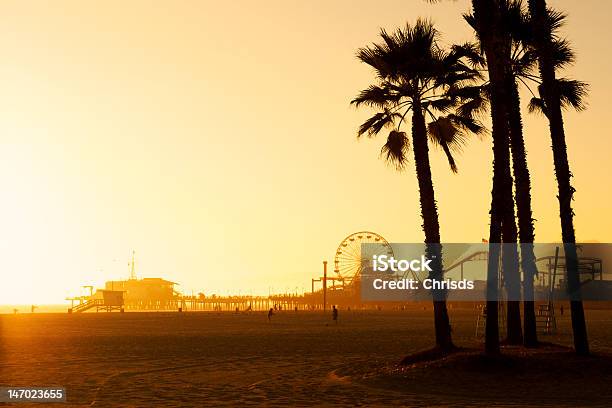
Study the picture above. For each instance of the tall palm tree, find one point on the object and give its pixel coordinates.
(475, 100)
(495, 43)
(571, 93)
(488, 14)
(414, 76)
(543, 40)
(522, 60)
(523, 193)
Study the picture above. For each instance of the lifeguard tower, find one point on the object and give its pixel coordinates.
(103, 299)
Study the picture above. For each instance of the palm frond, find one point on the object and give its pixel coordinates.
(450, 158)
(396, 149)
(440, 104)
(517, 22)
(376, 123)
(572, 93)
(555, 20)
(474, 100)
(375, 96)
(525, 63)
(465, 92)
(467, 123)
(536, 105)
(372, 57)
(471, 20)
(443, 133)
(473, 108)
(471, 52)
(562, 53)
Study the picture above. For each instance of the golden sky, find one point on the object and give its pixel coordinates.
(217, 141)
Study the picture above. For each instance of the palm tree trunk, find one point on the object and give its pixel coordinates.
(514, 332)
(431, 226)
(510, 265)
(487, 14)
(523, 205)
(538, 11)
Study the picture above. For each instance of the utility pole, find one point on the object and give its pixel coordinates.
(132, 267)
(324, 286)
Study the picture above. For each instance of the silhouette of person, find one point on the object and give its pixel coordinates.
(335, 314)
(270, 314)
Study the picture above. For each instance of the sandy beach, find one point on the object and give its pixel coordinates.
(208, 359)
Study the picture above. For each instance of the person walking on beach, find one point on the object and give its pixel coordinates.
(270, 314)
(335, 314)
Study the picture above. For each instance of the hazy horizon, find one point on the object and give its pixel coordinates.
(216, 140)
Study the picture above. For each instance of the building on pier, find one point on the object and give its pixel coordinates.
(146, 293)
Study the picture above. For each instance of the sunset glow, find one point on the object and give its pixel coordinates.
(217, 141)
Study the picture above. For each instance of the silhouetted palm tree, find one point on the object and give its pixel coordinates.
(495, 44)
(488, 14)
(415, 76)
(571, 93)
(544, 36)
(523, 63)
(555, 94)
(521, 60)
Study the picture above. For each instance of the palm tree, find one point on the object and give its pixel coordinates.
(488, 14)
(523, 199)
(495, 44)
(414, 76)
(521, 61)
(571, 93)
(544, 37)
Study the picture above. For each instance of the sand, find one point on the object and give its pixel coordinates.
(226, 359)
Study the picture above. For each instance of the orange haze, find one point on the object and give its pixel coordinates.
(216, 139)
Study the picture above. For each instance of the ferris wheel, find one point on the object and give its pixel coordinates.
(352, 258)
